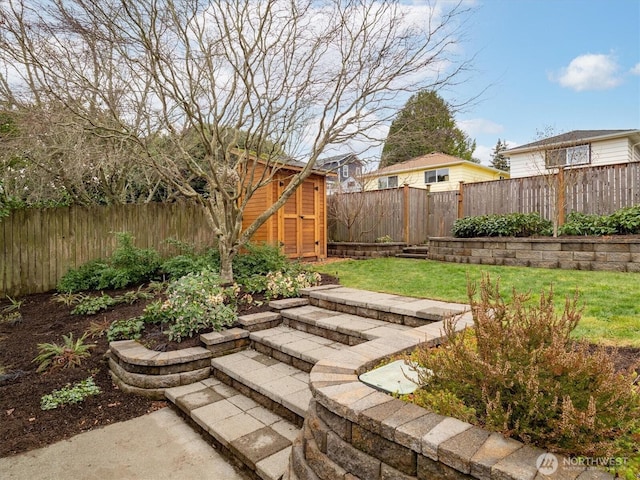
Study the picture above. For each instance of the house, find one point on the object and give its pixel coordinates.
(347, 169)
(578, 148)
(300, 226)
(440, 171)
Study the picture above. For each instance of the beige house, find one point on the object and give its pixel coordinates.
(440, 171)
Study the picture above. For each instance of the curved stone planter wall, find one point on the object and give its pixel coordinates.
(354, 431)
(362, 250)
(136, 369)
(590, 253)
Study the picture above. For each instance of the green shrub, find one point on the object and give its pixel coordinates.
(523, 375)
(260, 260)
(126, 329)
(506, 225)
(85, 277)
(583, 224)
(70, 395)
(70, 354)
(194, 302)
(127, 265)
(626, 220)
(181, 265)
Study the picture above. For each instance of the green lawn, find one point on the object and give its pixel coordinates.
(611, 300)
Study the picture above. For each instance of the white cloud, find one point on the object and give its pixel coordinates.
(636, 69)
(480, 126)
(589, 72)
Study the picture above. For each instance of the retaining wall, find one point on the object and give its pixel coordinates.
(593, 253)
(363, 250)
(353, 431)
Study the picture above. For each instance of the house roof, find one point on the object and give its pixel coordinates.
(321, 162)
(573, 137)
(430, 160)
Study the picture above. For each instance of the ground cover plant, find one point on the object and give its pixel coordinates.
(611, 313)
(524, 376)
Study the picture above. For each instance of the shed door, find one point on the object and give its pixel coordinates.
(299, 221)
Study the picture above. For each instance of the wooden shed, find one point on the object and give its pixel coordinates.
(300, 226)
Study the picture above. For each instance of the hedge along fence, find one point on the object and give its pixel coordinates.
(38, 246)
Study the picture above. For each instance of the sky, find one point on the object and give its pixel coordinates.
(550, 65)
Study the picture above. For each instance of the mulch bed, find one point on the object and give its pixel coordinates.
(24, 426)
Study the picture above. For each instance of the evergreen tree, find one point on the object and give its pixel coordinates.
(498, 160)
(425, 125)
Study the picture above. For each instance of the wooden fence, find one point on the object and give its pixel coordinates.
(594, 190)
(38, 246)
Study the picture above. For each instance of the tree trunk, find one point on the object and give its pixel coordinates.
(227, 252)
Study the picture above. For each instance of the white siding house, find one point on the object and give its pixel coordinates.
(575, 149)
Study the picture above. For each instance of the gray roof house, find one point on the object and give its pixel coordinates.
(574, 149)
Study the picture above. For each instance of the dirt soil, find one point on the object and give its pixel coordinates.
(24, 426)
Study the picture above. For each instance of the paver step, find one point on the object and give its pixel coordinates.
(239, 426)
(416, 256)
(413, 312)
(293, 346)
(283, 389)
(339, 327)
(424, 249)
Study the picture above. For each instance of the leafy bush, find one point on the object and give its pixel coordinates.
(127, 265)
(85, 277)
(506, 225)
(260, 260)
(283, 284)
(521, 373)
(194, 302)
(626, 220)
(92, 305)
(126, 329)
(184, 264)
(53, 356)
(583, 224)
(70, 395)
(622, 222)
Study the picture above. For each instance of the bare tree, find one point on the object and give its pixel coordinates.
(359, 211)
(563, 167)
(289, 76)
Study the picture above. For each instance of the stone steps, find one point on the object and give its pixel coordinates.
(282, 388)
(344, 328)
(409, 311)
(248, 433)
(419, 252)
(254, 404)
(293, 346)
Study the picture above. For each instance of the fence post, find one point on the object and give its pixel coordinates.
(560, 206)
(460, 200)
(405, 205)
(428, 211)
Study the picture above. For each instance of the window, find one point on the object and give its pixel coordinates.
(578, 155)
(435, 176)
(388, 182)
(345, 171)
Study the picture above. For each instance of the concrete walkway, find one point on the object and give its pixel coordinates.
(154, 447)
